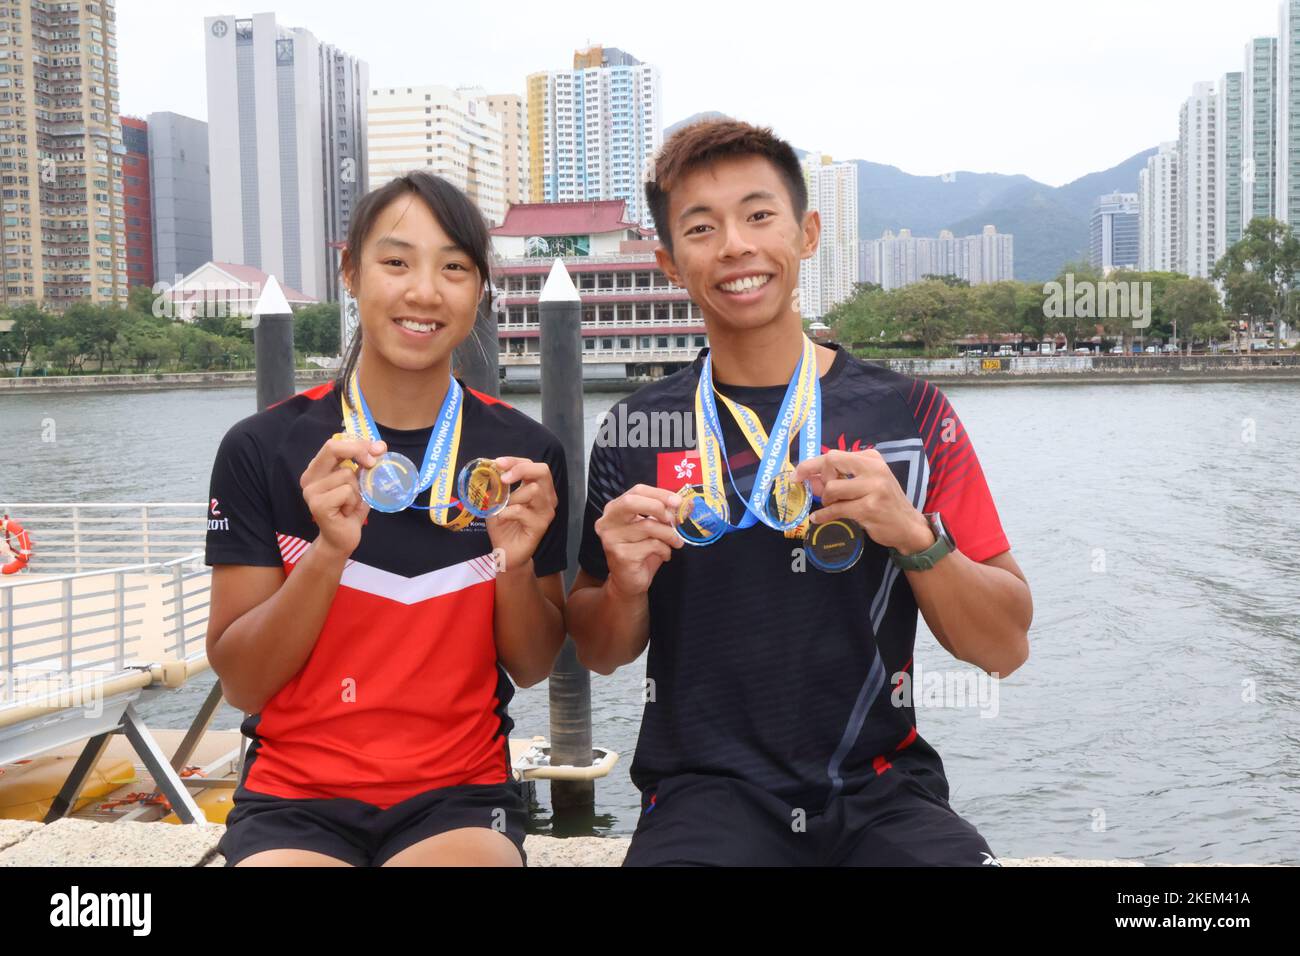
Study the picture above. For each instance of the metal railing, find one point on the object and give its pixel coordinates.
(605, 325)
(74, 537)
(510, 296)
(101, 622)
(638, 258)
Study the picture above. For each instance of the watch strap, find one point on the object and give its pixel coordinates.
(924, 560)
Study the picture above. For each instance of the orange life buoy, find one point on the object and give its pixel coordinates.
(17, 542)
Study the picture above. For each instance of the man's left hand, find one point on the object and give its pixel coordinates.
(861, 486)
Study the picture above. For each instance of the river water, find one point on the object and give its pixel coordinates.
(1158, 717)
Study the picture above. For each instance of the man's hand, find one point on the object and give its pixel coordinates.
(517, 529)
(638, 532)
(861, 486)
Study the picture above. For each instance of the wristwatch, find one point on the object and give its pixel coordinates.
(924, 560)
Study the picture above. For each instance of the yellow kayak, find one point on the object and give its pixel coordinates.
(28, 787)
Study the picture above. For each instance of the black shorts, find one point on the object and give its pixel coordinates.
(362, 834)
(894, 820)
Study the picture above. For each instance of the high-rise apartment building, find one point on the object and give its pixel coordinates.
(137, 201)
(450, 133)
(60, 154)
(594, 130)
(513, 113)
(1258, 128)
(1286, 163)
(180, 187)
(1198, 205)
(287, 148)
(828, 277)
(1228, 156)
(900, 260)
(1113, 232)
(1158, 211)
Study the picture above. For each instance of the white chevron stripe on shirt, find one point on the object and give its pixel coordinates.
(396, 587)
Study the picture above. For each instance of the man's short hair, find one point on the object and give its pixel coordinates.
(704, 143)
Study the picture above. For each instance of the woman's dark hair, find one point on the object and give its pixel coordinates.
(457, 215)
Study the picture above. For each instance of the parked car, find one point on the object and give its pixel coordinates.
(1170, 347)
(1152, 349)
(1117, 350)
(1082, 351)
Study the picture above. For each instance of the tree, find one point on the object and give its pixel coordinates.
(316, 329)
(95, 328)
(862, 317)
(1070, 318)
(66, 352)
(146, 342)
(32, 328)
(1193, 302)
(1210, 332)
(948, 280)
(1269, 249)
(929, 311)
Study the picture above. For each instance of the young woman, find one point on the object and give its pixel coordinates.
(373, 649)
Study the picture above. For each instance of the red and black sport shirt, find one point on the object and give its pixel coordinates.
(403, 691)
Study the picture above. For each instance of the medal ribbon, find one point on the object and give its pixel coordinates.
(439, 455)
(800, 412)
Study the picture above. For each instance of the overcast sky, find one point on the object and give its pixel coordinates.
(1047, 88)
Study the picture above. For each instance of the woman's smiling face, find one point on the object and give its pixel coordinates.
(417, 291)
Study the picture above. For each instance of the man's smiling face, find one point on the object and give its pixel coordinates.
(736, 241)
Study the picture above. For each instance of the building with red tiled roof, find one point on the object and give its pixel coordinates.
(564, 228)
(634, 321)
(218, 289)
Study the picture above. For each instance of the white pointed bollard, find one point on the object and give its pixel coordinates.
(272, 325)
(570, 683)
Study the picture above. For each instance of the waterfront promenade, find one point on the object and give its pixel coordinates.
(1001, 370)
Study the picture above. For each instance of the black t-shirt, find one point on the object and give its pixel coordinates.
(763, 667)
(403, 691)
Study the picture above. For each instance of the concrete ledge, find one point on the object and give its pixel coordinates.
(86, 843)
(72, 842)
(15, 831)
(153, 381)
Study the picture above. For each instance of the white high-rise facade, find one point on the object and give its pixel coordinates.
(1158, 211)
(593, 130)
(829, 276)
(1197, 181)
(1258, 128)
(450, 133)
(1228, 155)
(900, 260)
(286, 148)
(1286, 189)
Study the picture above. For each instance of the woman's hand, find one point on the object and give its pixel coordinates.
(332, 492)
(517, 529)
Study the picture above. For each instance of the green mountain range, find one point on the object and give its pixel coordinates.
(1050, 224)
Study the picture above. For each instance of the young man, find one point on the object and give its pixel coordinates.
(771, 732)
